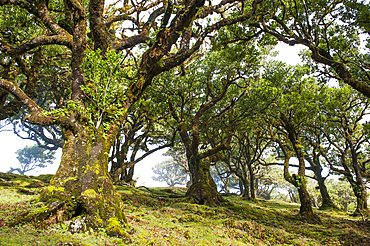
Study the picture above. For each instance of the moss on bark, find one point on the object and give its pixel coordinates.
(82, 190)
(204, 194)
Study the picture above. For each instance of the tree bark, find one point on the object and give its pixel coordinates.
(304, 197)
(252, 182)
(246, 192)
(128, 174)
(203, 189)
(327, 203)
(83, 187)
(298, 180)
(359, 189)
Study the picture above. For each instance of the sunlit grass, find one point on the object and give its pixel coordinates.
(162, 216)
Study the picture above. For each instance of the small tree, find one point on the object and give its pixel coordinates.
(32, 157)
(170, 172)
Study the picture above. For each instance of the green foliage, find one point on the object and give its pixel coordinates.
(342, 194)
(17, 25)
(106, 82)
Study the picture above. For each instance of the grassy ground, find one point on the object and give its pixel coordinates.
(160, 216)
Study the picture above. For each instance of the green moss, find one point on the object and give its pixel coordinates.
(52, 189)
(114, 228)
(93, 168)
(191, 218)
(38, 211)
(70, 179)
(45, 178)
(52, 193)
(89, 193)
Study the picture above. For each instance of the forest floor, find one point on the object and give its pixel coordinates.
(161, 216)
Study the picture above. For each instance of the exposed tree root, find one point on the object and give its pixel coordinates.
(329, 206)
(204, 194)
(310, 217)
(88, 211)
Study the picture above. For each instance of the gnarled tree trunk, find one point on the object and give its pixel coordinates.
(359, 189)
(298, 180)
(327, 203)
(252, 182)
(316, 167)
(203, 189)
(83, 188)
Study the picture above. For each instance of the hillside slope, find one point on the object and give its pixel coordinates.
(161, 216)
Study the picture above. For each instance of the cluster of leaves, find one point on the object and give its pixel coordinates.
(106, 82)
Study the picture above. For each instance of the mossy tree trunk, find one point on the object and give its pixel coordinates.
(203, 189)
(252, 181)
(298, 180)
(358, 185)
(361, 197)
(83, 187)
(327, 203)
(245, 193)
(316, 167)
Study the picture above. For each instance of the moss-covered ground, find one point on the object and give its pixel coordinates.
(161, 216)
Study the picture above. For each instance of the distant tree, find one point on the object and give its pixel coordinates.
(170, 172)
(141, 135)
(3, 125)
(268, 180)
(32, 157)
(342, 194)
(344, 145)
(224, 179)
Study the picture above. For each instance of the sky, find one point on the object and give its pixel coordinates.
(10, 143)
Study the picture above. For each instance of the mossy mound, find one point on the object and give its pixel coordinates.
(24, 184)
(17, 180)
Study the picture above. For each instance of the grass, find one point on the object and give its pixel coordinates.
(161, 216)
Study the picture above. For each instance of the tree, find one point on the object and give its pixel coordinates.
(193, 111)
(33, 157)
(105, 79)
(315, 159)
(246, 154)
(346, 139)
(171, 172)
(342, 194)
(330, 30)
(142, 130)
(294, 108)
(224, 179)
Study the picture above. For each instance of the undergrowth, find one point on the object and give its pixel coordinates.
(162, 216)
